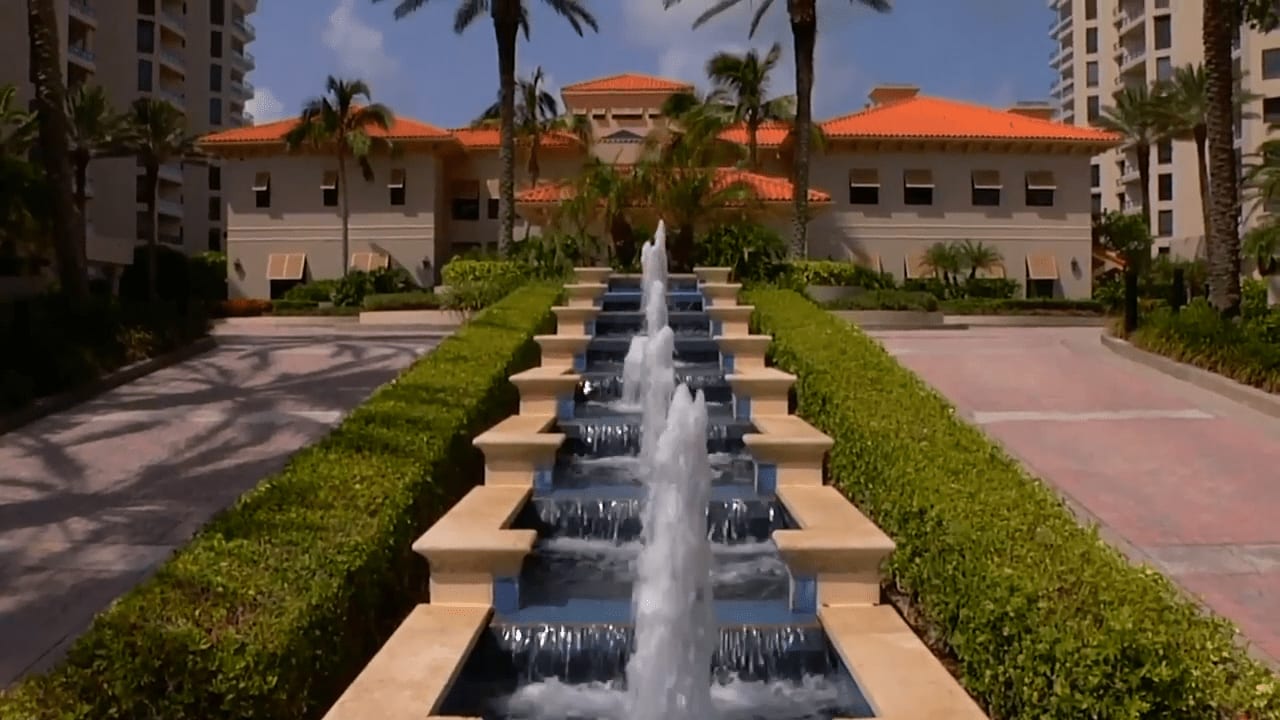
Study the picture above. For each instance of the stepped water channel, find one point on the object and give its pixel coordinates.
(580, 642)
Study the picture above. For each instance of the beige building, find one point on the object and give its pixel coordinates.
(904, 173)
(1104, 45)
(192, 53)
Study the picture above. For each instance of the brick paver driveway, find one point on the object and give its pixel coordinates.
(93, 499)
(1176, 476)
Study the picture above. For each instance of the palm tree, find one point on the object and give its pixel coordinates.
(17, 127)
(978, 256)
(157, 135)
(804, 31)
(94, 127)
(744, 79)
(509, 18)
(1261, 245)
(1133, 115)
(944, 260)
(338, 124)
(50, 91)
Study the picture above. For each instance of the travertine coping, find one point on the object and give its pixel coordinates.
(547, 391)
(412, 673)
(584, 294)
(470, 549)
(563, 351)
(743, 352)
(572, 320)
(837, 549)
(730, 319)
(592, 274)
(787, 450)
(899, 675)
(720, 293)
(760, 391)
(713, 274)
(518, 451)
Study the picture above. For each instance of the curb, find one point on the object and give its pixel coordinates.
(1251, 397)
(57, 403)
(1029, 321)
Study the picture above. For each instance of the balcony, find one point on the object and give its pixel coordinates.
(242, 89)
(1131, 58)
(1128, 174)
(249, 6)
(1129, 20)
(243, 59)
(174, 97)
(173, 60)
(173, 20)
(1060, 27)
(169, 208)
(245, 29)
(81, 54)
(82, 11)
(172, 172)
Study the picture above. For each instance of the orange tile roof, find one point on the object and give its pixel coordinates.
(401, 130)
(489, 138)
(770, 134)
(924, 117)
(628, 82)
(766, 188)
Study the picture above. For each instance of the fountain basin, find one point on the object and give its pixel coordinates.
(761, 391)
(730, 319)
(675, 282)
(627, 324)
(571, 320)
(547, 391)
(712, 274)
(720, 293)
(601, 384)
(475, 559)
(788, 451)
(743, 352)
(584, 294)
(563, 351)
(592, 275)
(520, 450)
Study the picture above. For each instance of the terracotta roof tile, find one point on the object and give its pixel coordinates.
(767, 188)
(402, 129)
(488, 138)
(926, 117)
(770, 134)
(628, 82)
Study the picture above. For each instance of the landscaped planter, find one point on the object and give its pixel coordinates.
(823, 294)
(898, 319)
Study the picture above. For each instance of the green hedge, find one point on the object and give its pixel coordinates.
(1043, 618)
(1022, 306)
(1245, 349)
(887, 300)
(418, 300)
(277, 604)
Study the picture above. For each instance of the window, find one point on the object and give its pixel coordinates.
(1093, 108)
(1040, 188)
(262, 190)
(1164, 69)
(1090, 9)
(986, 188)
(140, 189)
(395, 186)
(864, 187)
(146, 7)
(1163, 32)
(1095, 203)
(215, 111)
(1091, 40)
(917, 187)
(215, 77)
(1164, 152)
(1271, 64)
(465, 199)
(215, 240)
(146, 36)
(1091, 73)
(144, 76)
(1095, 175)
(492, 206)
(1271, 109)
(215, 177)
(215, 44)
(1164, 186)
(215, 208)
(217, 12)
(329, 188)
(1164, 223)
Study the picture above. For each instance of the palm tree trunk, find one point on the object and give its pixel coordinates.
(1143, 151)
(345, 212)
(753, 145)
(506, 23)
(535, 170)
(152, 181)
(1224, 246)
(804, 30)
(55, 148)
(1202, 168)
(81, 169)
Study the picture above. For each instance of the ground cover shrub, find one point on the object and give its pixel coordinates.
(316, 291)
(1040, 616)
(752, 250)
(419, 300)
(887, 300)
(475, 284)
(965, 287)
(1022, 306)
(279, 602)
(799, 274)
(1246, 349)
(59, 345)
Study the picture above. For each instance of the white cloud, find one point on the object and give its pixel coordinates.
(358, 46)
(265, 106)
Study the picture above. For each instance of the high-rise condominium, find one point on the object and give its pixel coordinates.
(192, 53)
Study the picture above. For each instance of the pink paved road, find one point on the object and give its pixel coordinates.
(94, 498)
(1175, 475)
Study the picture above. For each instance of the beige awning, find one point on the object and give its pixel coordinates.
(1041, 180)
(864, 177)
(261, 181)
(916, 267)
(369, 261)
(987, 179)
(286, 266)
(1042, 266)
(918, 178)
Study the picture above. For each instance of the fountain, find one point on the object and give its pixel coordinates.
(633, 372)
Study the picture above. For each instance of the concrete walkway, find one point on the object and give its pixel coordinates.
(94, 498)
(1176, 476)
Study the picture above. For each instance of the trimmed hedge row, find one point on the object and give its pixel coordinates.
(1022, 306)
(280, 601)
(1043, 618)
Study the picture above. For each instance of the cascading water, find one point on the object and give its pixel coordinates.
(669, 674)
(659, 384)
(633, 372)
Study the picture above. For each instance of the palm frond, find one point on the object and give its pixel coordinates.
(468, 11)
(575, 12)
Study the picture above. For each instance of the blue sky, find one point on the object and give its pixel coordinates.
(989, 51)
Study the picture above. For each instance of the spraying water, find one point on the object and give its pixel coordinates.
(655, 308)
(669, 674)
(659, 383)
(633, 372)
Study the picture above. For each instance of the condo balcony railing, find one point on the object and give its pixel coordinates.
(244, 57)
(245, 26)
(173, 58)
(178, 99)
(83, 7)
(174, 18)
(83, 53)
